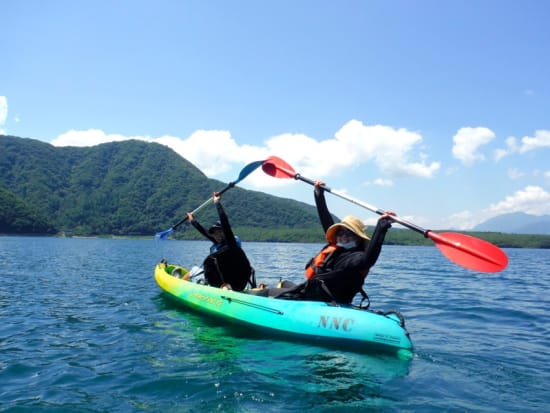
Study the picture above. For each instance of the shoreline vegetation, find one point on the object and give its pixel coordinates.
(394, 237)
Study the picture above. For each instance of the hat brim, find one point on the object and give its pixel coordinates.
(214, 228)
(333, 229)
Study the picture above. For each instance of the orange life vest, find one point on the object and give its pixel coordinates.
(321, 258)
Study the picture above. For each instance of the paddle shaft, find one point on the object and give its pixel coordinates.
(491, 259)
(247, 170)
(470, 252)
(367, 206)
(201, 206)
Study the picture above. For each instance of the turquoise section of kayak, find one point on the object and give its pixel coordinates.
(347, 326)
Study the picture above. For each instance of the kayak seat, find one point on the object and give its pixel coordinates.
(268, 292)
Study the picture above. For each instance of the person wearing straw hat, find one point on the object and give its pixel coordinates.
(338, 271)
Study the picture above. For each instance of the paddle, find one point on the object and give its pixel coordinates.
(247, 170)
(464, 250)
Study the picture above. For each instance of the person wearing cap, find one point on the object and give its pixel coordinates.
(217, 232)
(227, 265)
(338, 271)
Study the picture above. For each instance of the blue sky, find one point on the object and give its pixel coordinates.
(437, 110)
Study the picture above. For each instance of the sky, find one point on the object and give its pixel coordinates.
(436, 110)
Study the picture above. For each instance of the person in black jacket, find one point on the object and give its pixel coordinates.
(227, 265)
(337, 273)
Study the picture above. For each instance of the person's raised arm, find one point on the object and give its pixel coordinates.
(199, 227)
(375, 244)
(224, 221)
(324, 214)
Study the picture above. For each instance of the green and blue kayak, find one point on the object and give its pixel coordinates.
(319, 322)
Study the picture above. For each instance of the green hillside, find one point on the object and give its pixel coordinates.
(133, 188)
(17, 217)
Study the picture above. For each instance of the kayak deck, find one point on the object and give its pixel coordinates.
(311, 320)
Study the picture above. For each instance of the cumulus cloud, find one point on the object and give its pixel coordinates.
(540, 140)
(532, 200)
(354, 144)
(213, 152)
(531, 143)
(90, 137)
(467, 142)
(3, 113)
(465, 220)
(392, 151)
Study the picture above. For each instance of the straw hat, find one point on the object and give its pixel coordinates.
(353, 224)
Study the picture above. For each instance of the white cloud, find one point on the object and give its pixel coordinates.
(211, 151)
(526, 144)
(354, 144)
(383, 182)
(511, 147)
(540, 140)
(464, 220)
(467, 142)
(90, 137)
(531, 200)
(215, 151)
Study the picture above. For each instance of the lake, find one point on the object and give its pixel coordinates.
(85, 328)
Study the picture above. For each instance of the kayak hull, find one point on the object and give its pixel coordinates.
(344, 326)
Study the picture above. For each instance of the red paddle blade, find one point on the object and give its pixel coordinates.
(276, 167)
(470, 252)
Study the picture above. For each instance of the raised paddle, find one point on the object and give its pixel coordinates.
(464, 250)
(247, 170)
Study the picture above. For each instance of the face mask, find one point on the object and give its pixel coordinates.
(346, 245)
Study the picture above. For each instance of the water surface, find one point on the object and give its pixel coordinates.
(84, 328)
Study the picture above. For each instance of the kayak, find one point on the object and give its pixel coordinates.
(345, 326)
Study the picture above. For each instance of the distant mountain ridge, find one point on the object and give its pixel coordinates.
(517, 223)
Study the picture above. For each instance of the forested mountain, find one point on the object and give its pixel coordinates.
(17, 217)
(131, 188)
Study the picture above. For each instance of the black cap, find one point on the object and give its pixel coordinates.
(217, 225)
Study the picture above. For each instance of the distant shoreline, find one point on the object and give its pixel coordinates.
(397, 237)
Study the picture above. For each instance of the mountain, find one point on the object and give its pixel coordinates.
(517, 223)
(132, 188)
(17, 217)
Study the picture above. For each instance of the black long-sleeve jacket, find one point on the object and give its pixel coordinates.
(344, 272)
(227, 262)
(229, 237)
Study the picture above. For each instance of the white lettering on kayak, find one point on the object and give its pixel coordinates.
(336, 323)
